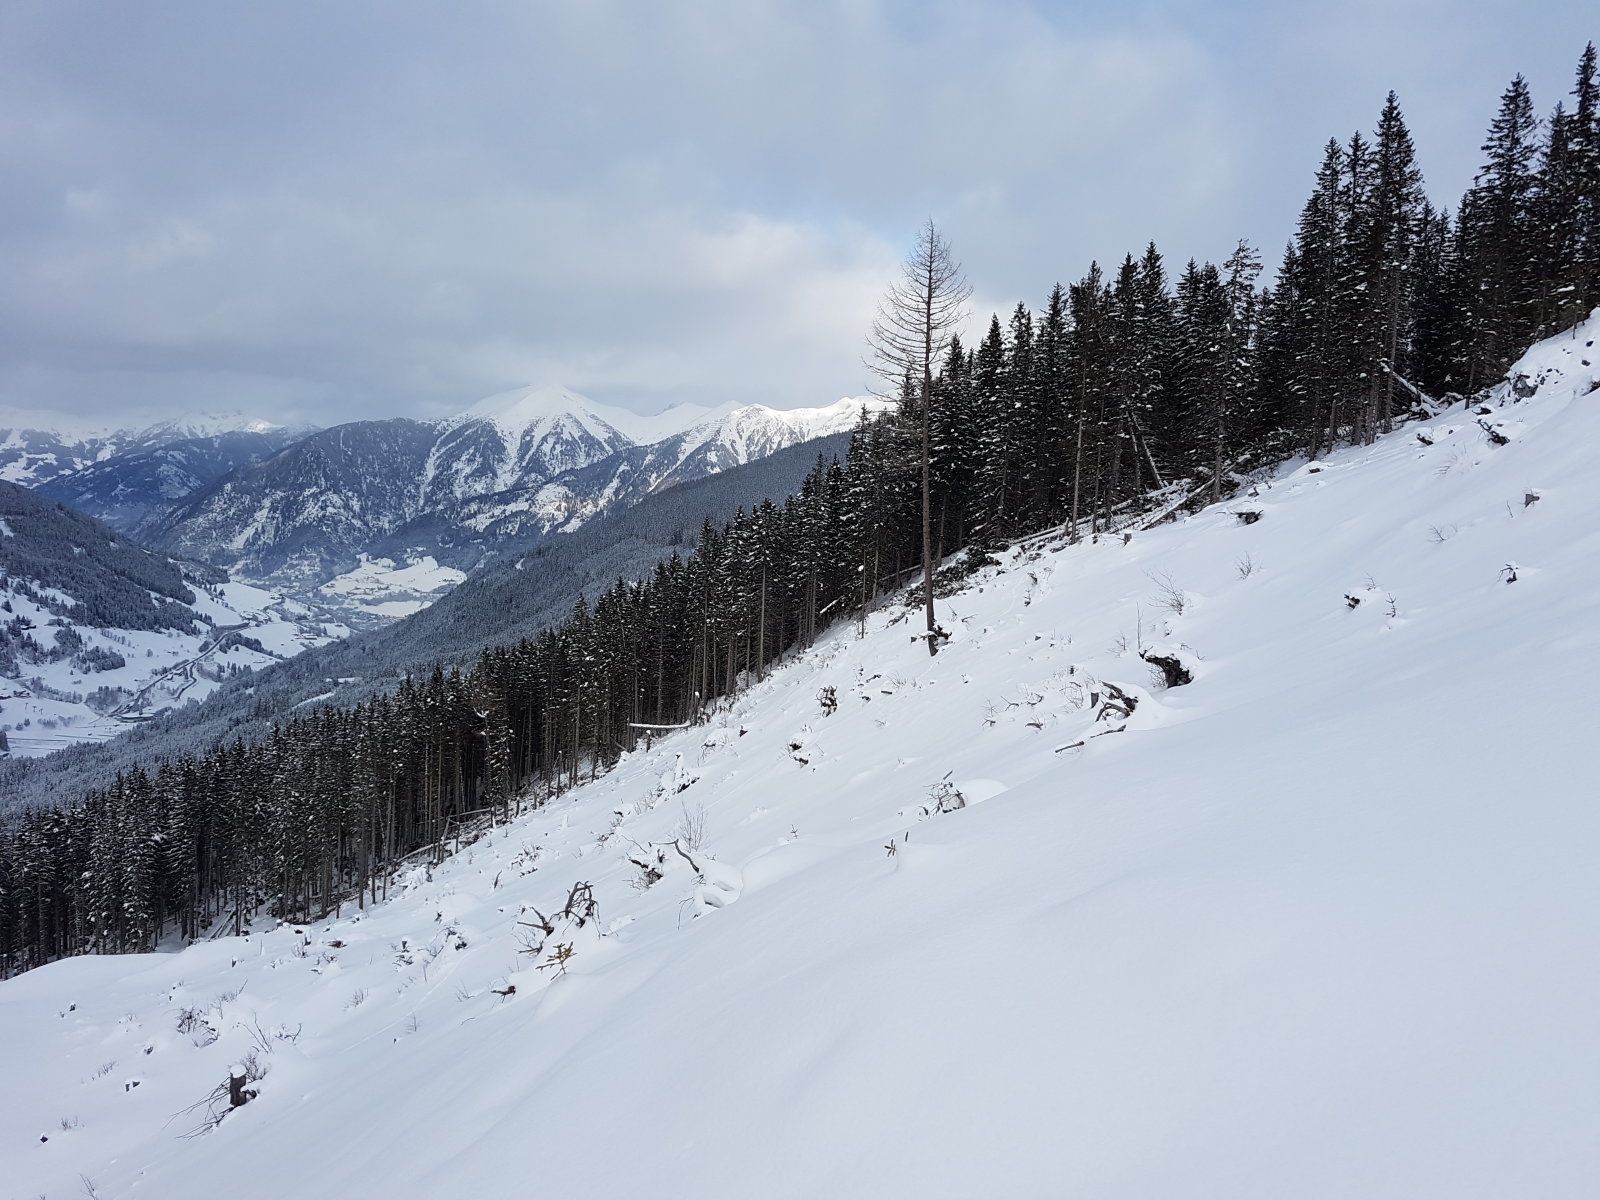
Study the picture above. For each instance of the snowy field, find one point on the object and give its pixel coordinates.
(380, 587)
(1014, 921)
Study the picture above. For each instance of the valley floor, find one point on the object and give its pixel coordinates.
(52, 706)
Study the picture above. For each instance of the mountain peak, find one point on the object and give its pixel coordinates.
(517, 410)
(753, 430)
(208, 424)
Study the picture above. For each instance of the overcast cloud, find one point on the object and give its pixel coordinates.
(326, 211)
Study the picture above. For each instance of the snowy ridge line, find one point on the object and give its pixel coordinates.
(1330, 934)
(39, 448)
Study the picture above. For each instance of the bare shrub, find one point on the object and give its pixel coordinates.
(944, 797)
(1168, 594)
(690, 832)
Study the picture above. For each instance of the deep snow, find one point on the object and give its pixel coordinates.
(1321, 923)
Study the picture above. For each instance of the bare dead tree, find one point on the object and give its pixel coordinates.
(915, 321)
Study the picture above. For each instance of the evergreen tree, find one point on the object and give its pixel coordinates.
(1438, 335)
(1583, 162)
(1393, 232)
(1091, 367)
(995, 441)
(1496, 243)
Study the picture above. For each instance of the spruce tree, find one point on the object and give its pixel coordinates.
(1583, 154)
(1394, 229)
(1496, 242)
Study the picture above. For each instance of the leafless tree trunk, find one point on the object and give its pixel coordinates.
(915, 321)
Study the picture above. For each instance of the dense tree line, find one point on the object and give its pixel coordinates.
(1130, 392)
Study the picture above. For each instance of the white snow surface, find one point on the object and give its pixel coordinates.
(1320, 924)
(647, 429)
(383, 587)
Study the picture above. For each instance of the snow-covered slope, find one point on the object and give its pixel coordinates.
(1014, 921)
(525, 413)
(754, 431)
(657, 427)
(381, 587)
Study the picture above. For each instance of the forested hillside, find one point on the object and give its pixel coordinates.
(1132, 396)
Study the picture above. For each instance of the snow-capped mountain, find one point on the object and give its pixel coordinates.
(132, 490)
(98, 633)
(36, 448)
(452, 492)
(322, 501)
(516, 596)
(753, 431)
(522, 408)
(1031, 918)
(728, 438)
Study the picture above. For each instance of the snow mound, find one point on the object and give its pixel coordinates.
(1019, 920)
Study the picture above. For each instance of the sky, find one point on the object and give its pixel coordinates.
(317, 212)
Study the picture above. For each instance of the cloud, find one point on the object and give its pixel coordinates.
(392, 208)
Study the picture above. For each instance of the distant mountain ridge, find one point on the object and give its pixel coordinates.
(462, 489)
(133, 490)
(36, 448)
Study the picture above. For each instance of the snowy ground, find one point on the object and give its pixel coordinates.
(380, 587)
(1321, 923)
(160, 670)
